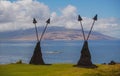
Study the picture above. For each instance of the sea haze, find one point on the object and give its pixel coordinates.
(60, 51)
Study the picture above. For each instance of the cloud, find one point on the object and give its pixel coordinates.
(67, 18)
(69, 11)
(19, 14)
(108, 26)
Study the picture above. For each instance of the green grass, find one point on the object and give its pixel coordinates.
(58, 70)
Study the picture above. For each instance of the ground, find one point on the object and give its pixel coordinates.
(58, 70)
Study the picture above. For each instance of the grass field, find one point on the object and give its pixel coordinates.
(57, 70)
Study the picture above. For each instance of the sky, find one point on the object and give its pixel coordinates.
(18, 14)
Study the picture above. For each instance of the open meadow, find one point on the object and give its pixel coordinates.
(58, 70)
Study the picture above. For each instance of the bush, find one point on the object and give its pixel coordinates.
(19, 62)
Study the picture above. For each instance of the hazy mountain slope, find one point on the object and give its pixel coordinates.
(52, 33)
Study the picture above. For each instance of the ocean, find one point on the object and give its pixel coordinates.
(62, 51)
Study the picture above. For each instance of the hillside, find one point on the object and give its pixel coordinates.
(52, 33)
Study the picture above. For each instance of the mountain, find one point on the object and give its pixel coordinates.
(52, 33)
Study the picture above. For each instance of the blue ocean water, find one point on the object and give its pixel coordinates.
(102, 51)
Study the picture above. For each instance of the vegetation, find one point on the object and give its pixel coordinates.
(58, 70)
(19, 62)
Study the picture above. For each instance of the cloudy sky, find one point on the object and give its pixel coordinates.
(18, 14)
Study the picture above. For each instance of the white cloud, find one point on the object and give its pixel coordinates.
(66, 19)
(108, 26)
(19, 15)
(69, 10)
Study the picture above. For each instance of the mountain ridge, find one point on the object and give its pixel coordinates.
(52, 33)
